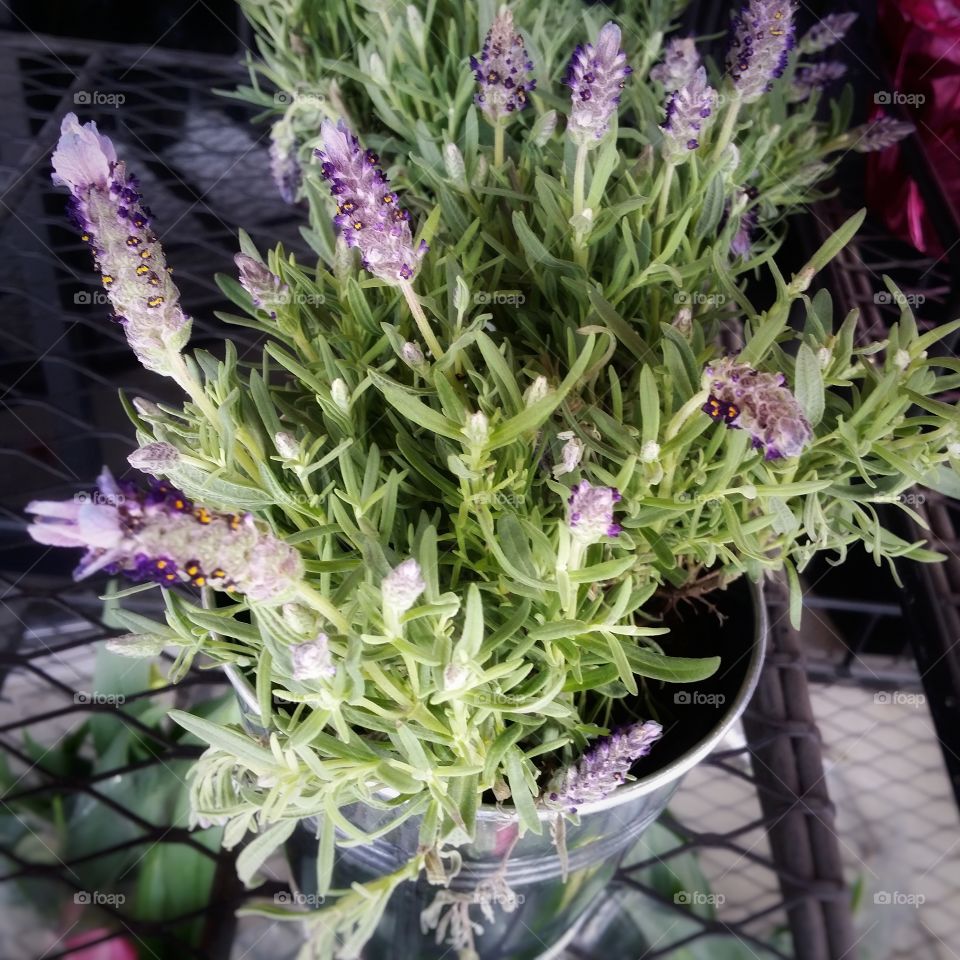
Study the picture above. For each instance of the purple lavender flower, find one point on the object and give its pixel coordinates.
(761, 37)
(311, 660)
(826, 32)
(680, 62)
(590, 512)
(816, 76)
(106, 206)
(160, 535)
(689, 113)
(284, 163)
(742, 240)
(265, 288)
(878, 134)
(368, 213)
(760, 403)
(402, 586)
(604, 767)
(596, 75)
(502, 70)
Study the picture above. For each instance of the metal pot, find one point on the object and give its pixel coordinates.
(547, 912)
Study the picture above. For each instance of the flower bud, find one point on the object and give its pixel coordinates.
(402, 586)
(155, 458)
(340, 394)
(286, 444)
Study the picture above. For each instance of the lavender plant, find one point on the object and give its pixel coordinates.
(423, 532)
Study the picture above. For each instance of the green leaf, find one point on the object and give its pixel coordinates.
(808, 385)
(258, 850)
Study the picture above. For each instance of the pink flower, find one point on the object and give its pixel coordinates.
(116, 948)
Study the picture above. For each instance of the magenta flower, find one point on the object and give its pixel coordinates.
(596, 75)
(761, 38)
(604, 767)
(161, 535)
(689, 113)
(368, 213)
(502, 70)
(826, 32)
(680, 62)
(759, 403)
(106, 207)
(590, 512)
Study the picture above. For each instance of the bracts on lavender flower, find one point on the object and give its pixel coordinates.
(680, 62)
(590, 513)
(826, 32)
(284, 162)
(502, 70)
(368, 211)
(689, 113)
(877, 134)
(760, 403)
(603, 768)
(596, 75)
(159, 534)
(761, 37)
(107, 208)
(816, 76)
(266, 289)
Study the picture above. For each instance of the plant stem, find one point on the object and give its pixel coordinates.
(579, 176)
(323, 606)
(498, 145)
(726, 131)
(417, 310)
(664, 199)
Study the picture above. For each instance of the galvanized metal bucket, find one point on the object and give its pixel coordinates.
(546, 910)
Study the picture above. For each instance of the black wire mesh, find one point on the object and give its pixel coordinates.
(749, 852)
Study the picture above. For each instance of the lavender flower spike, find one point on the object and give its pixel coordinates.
(604, 767)
(826, 32)
(266, 289)
(760, 403)
(815, 77)
(502, 70)
(878, 134)
(596, 75)
(680, 62)
(367, 210)
(590, 512)
(107, 208)
(284, 163)
(402, 586)
(689, 113)
(160, 535)
(761, 38)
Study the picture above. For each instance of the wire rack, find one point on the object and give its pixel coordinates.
(752, 857)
